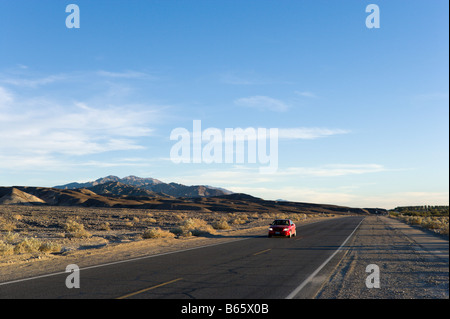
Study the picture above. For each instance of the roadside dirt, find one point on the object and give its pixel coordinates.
(412, 263)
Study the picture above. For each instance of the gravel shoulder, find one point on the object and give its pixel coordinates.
(412, 263)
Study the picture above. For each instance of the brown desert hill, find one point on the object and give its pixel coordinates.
(88, 198)
(75, 197)
(11, 196)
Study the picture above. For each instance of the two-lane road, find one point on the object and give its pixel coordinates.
(246, 268)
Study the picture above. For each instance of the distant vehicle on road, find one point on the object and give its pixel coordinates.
(282, 227)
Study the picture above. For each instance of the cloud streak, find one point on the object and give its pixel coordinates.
(261, 102)
(32, 82)
(308, 133)
(306, 94)
(244, 175)
(25, 79)
(333, 170)
(41, 126)
(125, 75)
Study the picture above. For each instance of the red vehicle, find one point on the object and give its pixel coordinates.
(282, 227)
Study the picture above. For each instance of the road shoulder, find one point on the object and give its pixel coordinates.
(413, 264)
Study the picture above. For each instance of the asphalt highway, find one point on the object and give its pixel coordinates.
(254, 267)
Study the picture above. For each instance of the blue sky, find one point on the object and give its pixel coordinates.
(362, 113)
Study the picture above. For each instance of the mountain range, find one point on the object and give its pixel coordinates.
(138, 186)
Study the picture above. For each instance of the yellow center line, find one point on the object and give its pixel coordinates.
(263, 251)
(147, 289)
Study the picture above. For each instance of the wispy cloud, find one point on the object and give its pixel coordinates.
(262, 103)
(29, 79)
(240, 175)
(125, 75)
(32, 82)
(301, 194)
(333, 170)
(308, 133)
(5, 97)
(296, 133)
(306, 94)
(249, 180)
(24, 162)
(55, 163)
(41, 126)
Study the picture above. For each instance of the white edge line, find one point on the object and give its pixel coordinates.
(310, 277)
(121, 261)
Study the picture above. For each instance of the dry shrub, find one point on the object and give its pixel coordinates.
(436, 224)
(6, 249)
(129, 224)
(11, 244)
(221, 224)
(149, 220)
(157, 233)
(238, 221)
(49, 247)
(75, 230)
(27, 245)
(193, 227)
(104, 226)
(266, 216)
(6, 225)
(10, 238)
(179, 216)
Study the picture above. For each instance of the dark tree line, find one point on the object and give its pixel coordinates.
(425, 210)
